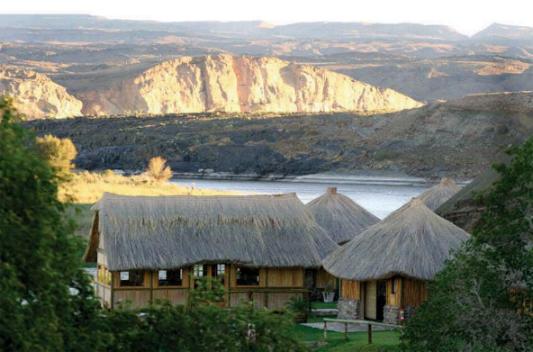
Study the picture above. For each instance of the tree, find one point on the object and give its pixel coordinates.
(46, 301)
(60, 152)
(482, 300)
(158, 169)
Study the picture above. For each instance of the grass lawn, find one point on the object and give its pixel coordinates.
(357, 341)
(322, 305)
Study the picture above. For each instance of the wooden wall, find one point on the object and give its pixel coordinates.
(414, 292)
(284, 277)
(408, 292)
(394, 291)
(350, 289)
(276, 287)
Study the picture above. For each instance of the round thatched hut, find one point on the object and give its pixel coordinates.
(439, 194)
(341, 217)
(384, 270)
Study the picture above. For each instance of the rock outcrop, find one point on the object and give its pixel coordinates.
(238, 84)
(36, 95)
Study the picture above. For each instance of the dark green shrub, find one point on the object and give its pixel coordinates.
(483, 299)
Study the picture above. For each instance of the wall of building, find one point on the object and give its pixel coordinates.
(349, 304)
(276, 287)
(401, 294)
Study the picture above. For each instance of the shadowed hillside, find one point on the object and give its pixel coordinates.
(438, 139)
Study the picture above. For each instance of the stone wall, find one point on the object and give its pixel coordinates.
(348, 309)
(391, 314)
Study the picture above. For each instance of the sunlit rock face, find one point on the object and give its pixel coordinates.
(224, 83)
(36, 95)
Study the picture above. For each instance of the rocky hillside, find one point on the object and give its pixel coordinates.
(224, 83)
(36, 95)
(458, 138)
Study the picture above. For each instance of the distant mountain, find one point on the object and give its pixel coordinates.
(501, 32)
(243, 29)
(337, 30)
(242, 84)
(425, 62)
(36, 95)
(217, 83)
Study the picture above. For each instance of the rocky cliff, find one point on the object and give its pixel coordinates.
(237, 84)
(36, 95)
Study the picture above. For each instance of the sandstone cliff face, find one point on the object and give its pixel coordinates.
(225, 83)
(36, 95)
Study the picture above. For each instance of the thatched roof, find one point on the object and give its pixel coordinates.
(174, 231)
(413, 241)
(439, 194)
(341, 217)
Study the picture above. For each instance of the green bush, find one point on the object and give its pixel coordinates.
(59, 152)
(163, 327)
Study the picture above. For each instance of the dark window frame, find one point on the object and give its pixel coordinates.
(135, 278)
(245, 276)
(218, 271)
(174, 278)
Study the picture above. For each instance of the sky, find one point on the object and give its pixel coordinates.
(466, 16)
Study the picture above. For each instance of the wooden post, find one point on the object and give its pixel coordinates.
(346, 331)
(152, 286)
(369, 334)
(325, 330)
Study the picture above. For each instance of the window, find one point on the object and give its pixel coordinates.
(132, 278)
(248, 276)
(170, 277)
(218, 271)
(199, 271)
(393, 286)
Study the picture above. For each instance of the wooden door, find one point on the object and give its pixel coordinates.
(370, 300)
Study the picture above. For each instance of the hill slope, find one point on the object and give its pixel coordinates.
(224, 83)
(441, 139)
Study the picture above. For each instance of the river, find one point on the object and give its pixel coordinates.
(379, 195)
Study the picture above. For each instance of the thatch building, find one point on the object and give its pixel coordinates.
(385, 269)
(343, 219)
(437, 195)
(149, 248)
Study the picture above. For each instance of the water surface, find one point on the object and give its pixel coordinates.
(379, 195)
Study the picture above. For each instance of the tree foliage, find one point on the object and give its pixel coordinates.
(158, 169)
(59, 152)
(483, 299)
(47, 302)
(200, 328)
